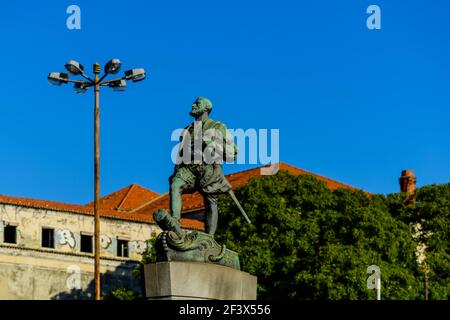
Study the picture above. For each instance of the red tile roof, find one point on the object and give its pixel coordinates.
(126, 199)
(194, 202)
(87, 210)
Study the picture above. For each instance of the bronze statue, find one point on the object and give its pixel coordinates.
(193, 172)
(204, 145)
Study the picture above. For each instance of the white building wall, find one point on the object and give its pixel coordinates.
(28, 271)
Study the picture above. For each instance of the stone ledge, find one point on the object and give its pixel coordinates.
(194, 280)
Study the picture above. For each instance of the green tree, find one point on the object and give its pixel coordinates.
(122, 294)
(432, 212)
(308, 242)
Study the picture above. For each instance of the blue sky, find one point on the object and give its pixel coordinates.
(351, 104)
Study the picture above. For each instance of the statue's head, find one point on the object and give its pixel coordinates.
(200, 106)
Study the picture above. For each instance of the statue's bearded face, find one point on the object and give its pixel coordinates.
(198, 107)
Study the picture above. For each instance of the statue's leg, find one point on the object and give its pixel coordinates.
(211, 212)
(176, 190)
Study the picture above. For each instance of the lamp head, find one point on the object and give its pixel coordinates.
(80, 87)
(74, 67)
(57, 78)
(135, 75)
(113, 66)
(118, 85)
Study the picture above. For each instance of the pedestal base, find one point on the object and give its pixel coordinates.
(178, 280)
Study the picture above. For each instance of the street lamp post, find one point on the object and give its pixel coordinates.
(117, 84)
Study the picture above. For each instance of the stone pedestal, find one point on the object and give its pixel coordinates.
(179, 280)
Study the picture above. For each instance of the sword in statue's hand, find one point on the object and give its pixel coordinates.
(231, 193)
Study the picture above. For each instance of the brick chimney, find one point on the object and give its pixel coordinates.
(408, 182)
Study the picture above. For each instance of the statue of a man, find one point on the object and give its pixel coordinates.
(203, 147)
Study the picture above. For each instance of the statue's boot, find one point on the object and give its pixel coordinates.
(167, 222)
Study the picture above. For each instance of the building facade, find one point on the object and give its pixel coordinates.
(48, 253)
(47, 248)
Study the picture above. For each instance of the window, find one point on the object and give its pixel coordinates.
(10, 234)
(122, 248)
(86, 243)
(48, 238)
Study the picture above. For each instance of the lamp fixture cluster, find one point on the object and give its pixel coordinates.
(113, 66)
